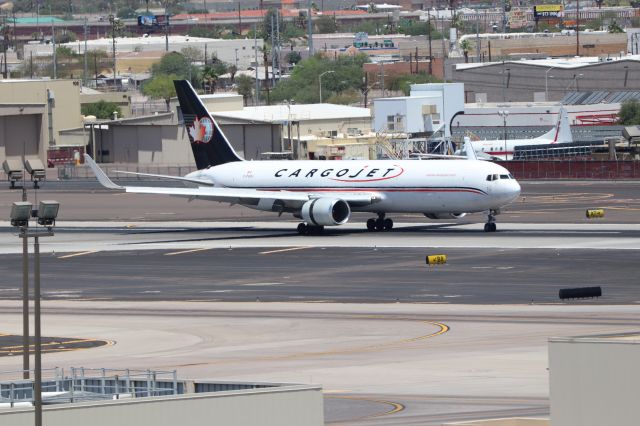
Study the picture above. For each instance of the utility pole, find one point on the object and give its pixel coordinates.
(239, 20)
(310, 29)
(112, 19)
(55, 59)
(273, 53)
(257, 65)
(5, 71)
(166, 25)
(429, 34)
(577, 27)
(85, 72)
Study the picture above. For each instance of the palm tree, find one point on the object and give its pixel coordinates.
(210, 79)
(465, 46)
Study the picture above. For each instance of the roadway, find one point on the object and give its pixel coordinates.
(229, 293)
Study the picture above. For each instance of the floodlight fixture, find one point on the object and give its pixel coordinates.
(20, 213)
(48, 212)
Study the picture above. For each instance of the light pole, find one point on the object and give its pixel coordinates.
(504, 114)
(576, 77)
(320, 82)
(46, 214)
(236, 58)
(546, 85)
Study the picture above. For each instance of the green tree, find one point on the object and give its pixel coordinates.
(629, 114)
(614, 28)
(466, 46)
(172, 63)
(101, 109)
(244, 86)
(293, 57)
(210, 79)
(403, 82)
(303, 85)
(326, 24)
(161, 87)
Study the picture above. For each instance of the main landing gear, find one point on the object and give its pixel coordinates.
(490, 226)
(304, 229)
(379, 224)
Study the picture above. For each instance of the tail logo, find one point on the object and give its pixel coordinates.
(201, 131)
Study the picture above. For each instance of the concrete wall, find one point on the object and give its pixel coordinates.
(293, 406)
(594, 381)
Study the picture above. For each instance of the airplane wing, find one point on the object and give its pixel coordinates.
(183, 179)
(235, 195)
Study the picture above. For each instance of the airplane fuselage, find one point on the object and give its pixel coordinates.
(435, 186)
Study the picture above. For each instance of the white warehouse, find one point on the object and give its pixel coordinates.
(429, 109)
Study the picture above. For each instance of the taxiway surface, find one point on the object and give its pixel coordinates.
(230, 293)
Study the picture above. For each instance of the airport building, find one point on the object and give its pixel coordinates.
(147, 50)
(33, 113)
(102, 397)
(546, 79)
(429, 109)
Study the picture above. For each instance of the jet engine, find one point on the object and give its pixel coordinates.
(436, 216)
(326, 212)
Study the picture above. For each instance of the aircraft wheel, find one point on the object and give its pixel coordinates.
(388, 224)
(315, 230)
(493, 227)
(371, 224)
(303, 229)
(380, 225)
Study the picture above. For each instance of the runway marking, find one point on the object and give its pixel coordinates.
(82, 253)
(54, 346)
(174, 253)
(396, 406)
(287, 249)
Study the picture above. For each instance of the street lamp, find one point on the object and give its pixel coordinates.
(546, 85)
(320, 81)
(504, 114)
(21, 212)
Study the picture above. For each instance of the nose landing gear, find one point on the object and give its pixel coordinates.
(379, 224)
(490, 226)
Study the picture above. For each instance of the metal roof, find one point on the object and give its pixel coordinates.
(282, 113)
(599, 97)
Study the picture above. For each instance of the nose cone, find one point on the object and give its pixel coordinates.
(509, 191)
(514, 190)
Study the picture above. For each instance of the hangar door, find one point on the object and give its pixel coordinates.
(20, 134)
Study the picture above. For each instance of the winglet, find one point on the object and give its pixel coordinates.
(468, 148)
(100, 174)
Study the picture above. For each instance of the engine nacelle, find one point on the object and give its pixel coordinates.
(326, 212)
(437, 216)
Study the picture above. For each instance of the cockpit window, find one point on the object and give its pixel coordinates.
(504, 176)
(511, 176)
(489, 178)
(496, 177)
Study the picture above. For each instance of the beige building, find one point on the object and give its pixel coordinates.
(33, 113)
(304, 123)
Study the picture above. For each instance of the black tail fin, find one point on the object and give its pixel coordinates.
(210, 146)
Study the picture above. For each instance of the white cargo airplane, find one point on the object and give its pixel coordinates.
(324, 193)
(500, 149)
